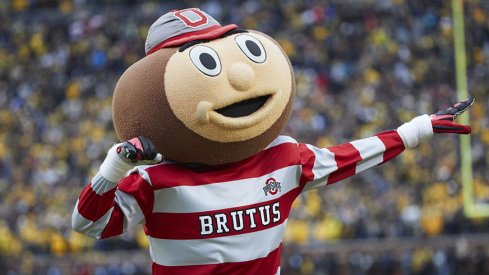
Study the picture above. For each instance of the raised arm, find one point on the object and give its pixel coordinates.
(108, 206)
(332, 164)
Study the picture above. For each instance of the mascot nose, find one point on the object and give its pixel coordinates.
(241, 76)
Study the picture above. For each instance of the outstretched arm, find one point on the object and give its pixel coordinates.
(335, 163)
(104, 210)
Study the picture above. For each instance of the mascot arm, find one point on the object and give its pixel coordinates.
(335, 163)
(108, 206)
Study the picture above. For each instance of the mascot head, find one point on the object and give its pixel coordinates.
(205, 93)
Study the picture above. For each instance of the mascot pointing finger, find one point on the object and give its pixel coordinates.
(202, 164)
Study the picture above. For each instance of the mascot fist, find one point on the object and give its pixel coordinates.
(443, 121)
(122, 157)
(138, 151)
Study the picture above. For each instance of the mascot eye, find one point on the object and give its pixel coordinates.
(206, 60)
(251, 47)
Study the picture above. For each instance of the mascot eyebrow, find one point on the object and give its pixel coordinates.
(195, 42)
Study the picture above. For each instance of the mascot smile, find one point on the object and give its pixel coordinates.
(201, 162)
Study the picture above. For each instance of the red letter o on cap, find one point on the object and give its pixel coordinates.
(191, 17)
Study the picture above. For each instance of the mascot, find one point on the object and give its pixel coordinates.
(202, 164)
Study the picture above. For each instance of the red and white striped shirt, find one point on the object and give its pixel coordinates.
(228, 219)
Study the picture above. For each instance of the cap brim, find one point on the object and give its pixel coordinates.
(207, 34)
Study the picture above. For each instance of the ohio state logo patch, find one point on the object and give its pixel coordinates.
(272, 187)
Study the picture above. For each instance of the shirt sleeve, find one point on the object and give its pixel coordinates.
(106, 208)
(323, 166)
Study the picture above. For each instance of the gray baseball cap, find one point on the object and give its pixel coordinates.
(178, 27)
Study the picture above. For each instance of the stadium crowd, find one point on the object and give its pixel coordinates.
(361, 67)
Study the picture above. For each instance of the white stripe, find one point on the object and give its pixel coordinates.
(280, 140)
(100, 185)
(208, 197)
(238, 248)
(371, 150)
(324, 164)
(133, 214)
(87, 227)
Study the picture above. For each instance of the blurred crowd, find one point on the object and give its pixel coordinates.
(362, 66)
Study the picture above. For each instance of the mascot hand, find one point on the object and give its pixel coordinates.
(443, 121)
(138, 151)
(122, 157)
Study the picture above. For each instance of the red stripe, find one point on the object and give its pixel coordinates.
(140, 189)
(307, 159)
(115, 226)
(93, 206)
(267, 161)
(262, 266)
(346, 157)
(187, 226)
(393, 144)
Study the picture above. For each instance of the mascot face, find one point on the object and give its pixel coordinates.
(210, 102)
